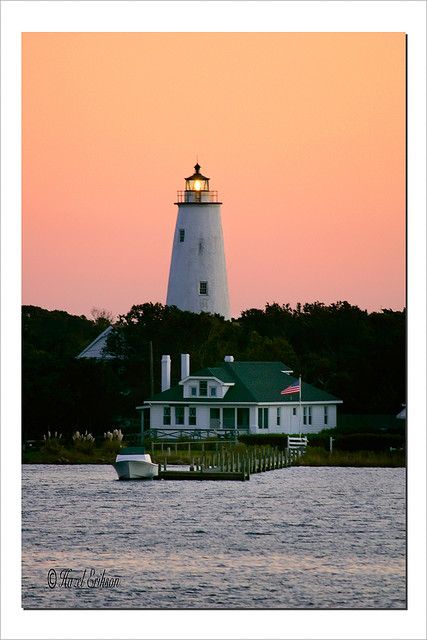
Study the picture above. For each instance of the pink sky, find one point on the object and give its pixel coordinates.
(303, 136)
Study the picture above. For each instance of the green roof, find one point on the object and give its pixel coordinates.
(214, 372)
(253, 382)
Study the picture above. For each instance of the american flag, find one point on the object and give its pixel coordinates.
(294, 388)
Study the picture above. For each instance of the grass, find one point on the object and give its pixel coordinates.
(68, 455)
(314, 456)
(318, 457)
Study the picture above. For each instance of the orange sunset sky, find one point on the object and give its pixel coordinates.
(302, 134)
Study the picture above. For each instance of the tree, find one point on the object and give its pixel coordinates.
(102, 317)
(359, 357)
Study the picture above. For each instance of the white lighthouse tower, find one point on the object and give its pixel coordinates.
(198, 275)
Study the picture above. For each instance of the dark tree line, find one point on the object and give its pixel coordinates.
(358, 356)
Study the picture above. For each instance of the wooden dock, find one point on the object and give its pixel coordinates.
(228, 465)
(206, 474)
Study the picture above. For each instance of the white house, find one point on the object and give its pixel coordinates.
(242, 396)
(98, 348)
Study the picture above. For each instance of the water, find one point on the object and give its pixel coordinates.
(300, 537)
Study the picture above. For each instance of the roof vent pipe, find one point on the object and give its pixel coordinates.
(166, 373)
(229, 359)
(185, 365)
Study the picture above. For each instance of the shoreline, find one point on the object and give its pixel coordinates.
(313, 456)
(337, 459)
(328, 464)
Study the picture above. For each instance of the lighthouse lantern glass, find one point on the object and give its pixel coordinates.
(197, 182)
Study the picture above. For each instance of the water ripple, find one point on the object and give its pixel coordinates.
(338, 543)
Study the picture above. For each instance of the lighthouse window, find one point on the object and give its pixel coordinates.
(181, 235)
(203, 288)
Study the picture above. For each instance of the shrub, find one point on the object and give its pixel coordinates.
(279, 440)
(113, 440)
(368, 441)
(84, 442)
(53, 443)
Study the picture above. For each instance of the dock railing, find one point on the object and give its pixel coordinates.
(218, 465)
(296, 442)
(297, 445)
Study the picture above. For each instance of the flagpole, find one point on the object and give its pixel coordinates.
(300, 406)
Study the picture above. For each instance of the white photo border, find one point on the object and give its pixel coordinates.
(231, 16)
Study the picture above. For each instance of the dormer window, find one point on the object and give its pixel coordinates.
(206, 387)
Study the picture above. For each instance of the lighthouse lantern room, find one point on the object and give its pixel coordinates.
(197, 189)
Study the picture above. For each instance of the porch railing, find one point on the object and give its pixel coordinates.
(185, 434)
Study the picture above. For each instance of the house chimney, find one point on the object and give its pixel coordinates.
(185, 365)
(228, 358)
(166, 373)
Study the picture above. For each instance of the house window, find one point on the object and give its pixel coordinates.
(325, 415)
(193, 391)
(263, 418)
(146, 418)
(203, 288)
(306, 415)
(212, 392)
(243, 417)
(203, 388)
(166, 415)
(179, 415)
(278, 417)
(214, 418)
(294, 411)
(192, 416)
(181, 235)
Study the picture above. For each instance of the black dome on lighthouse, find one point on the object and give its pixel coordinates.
(197, 175)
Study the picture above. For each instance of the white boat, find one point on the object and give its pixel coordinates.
(133, 464)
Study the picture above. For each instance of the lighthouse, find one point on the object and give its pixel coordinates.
(198, 274)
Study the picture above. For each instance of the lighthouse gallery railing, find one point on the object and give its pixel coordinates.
(197, 197)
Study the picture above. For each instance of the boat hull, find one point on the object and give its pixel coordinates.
(136, 470)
